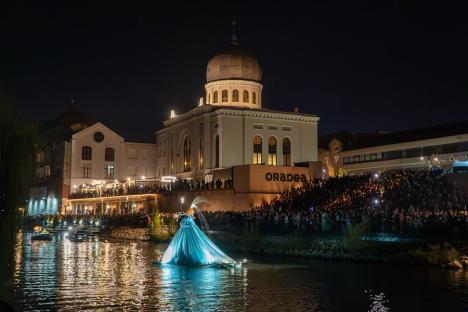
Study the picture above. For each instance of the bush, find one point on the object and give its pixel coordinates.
(440, 254)
(352, 238)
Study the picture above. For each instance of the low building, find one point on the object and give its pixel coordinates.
(424, 148)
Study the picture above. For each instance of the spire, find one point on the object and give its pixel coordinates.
(234, 34)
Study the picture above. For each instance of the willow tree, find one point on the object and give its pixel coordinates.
(17, 143)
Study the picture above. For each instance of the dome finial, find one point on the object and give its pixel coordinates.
(234, 35)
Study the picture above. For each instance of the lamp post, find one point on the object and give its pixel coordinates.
(182, 200)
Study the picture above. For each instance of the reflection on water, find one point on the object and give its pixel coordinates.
(69, 276)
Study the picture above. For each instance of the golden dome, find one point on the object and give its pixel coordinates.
(233, 62)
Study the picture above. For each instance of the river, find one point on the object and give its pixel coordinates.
(115, 276)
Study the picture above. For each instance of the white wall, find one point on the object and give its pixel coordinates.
(236, 131)
(144, 160)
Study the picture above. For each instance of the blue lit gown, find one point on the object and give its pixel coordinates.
(190, 246)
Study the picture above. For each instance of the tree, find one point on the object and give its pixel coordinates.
(17, 141)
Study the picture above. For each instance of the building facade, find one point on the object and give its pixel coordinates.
(77, 151)
(230, 127)
(425, 148)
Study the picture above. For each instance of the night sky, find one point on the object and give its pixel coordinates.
(361, 66)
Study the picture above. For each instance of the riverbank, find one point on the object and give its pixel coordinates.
(453, 255)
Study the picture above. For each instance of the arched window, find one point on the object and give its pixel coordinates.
(235, 95)
(215, 97)
(286, 152)
(187, 155)
(272, 151)
(254, 97)
(86, 153)
(245, 96)
(109, 154)
(217, 151)
(257, 150)
(224, 96)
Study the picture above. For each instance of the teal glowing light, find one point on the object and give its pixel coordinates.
(190, 246)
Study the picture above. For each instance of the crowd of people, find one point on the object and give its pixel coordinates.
(149, 186)
(401, 202)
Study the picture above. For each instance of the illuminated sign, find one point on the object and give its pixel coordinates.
(285, 177)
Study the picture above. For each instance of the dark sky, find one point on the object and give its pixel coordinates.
(360, 66)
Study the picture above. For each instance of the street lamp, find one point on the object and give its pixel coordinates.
(182, 200)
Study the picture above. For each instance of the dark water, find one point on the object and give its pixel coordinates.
(116, 276)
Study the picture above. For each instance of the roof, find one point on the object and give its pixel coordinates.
(346, 138)
(418, 134)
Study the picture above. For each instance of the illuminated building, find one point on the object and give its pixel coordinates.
(424, 148)
(230, 127)
(75, 151)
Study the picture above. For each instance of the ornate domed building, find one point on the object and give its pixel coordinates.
(231, 136)
(233, 77)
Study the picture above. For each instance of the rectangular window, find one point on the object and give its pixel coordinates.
(413, 152)
(398, 154)
(109, 171)
(356, 158)
(132, 153)
(131, 170)
(272, 159)
(451, 148)
(272, 128)
(367, 157)
(86, 171)
(47, 171)
(373, 156)
(345, 160)
(258, 126)
(286, 128)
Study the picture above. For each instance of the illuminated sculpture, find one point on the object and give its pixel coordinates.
(190, 246)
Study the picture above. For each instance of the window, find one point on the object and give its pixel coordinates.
(209, 98)
(86, 170)
(201, 129)
(217, 151)
(109, 154)
(398, 154)
(215, 97)
(131, 170)
(257, 150)
(245, 96)
(86, 153)
(235, 95)
(187, 156)
(132, 153)
(272, 151)
(258, 126)
(254, 98)
(47, 171)
(286, 128)
(272, 128)
(413, 152)
(286, 152)
(224, 96)
(345, 160)
(109, 171)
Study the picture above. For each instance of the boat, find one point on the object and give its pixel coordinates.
(42, 235)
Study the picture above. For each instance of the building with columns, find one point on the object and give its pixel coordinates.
(231, 127)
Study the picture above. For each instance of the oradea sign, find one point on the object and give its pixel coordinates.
(285, 177)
